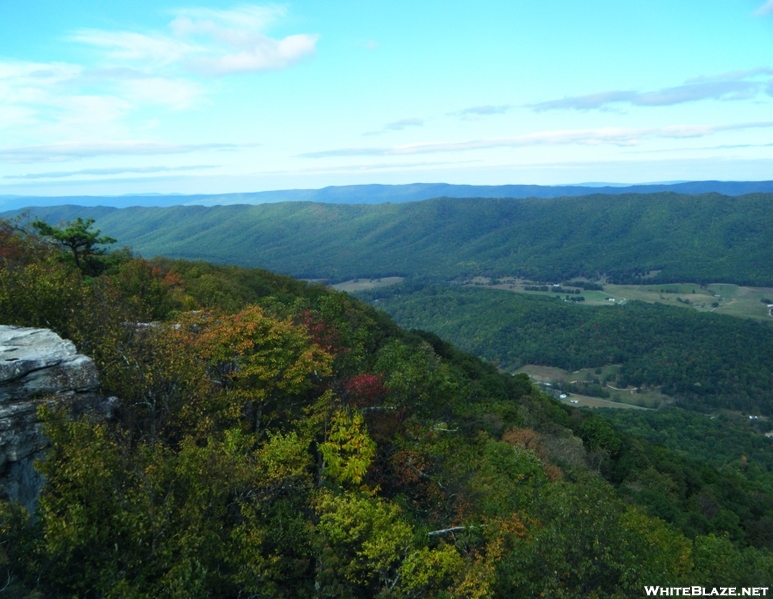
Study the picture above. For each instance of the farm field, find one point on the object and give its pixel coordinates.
(733, 300)
(619, 398)
(585, 401)
(702, 361)
(366, 284)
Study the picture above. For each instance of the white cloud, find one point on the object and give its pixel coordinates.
(63, 151)
(263, 54)
(250, 17)
(24, 83)
(398, 125)
(101, 172)
(732, 75)
(401, 124)
(364, 168)
(765, 9)
(92, 110)
(130, 71)
(736, 85)
(240, 44)
(224, 42)
(478, 111)
(16, 116)
(174, 93)
(46, 96)
(588, 137)
(58, 100)
(156, 49)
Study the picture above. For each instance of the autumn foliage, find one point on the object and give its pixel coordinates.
(275, 439)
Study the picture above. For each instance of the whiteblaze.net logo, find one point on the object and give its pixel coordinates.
(706, 591)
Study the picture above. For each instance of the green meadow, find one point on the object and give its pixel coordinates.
(720, 298)
(629, 397)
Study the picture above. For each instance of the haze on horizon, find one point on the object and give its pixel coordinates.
(219, 97)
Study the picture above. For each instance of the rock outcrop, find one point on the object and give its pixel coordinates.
(36, 365)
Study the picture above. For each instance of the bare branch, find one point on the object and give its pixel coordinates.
(445, 531)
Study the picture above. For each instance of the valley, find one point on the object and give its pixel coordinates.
(386, 300)
(626, 239)
(719, 298)
(355, 285)
(733, 300)
(700, 359)
(649, 412)
(569, 387)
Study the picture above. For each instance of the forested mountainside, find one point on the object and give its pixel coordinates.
(662, 237)
(704, 361)
(377, 194)
(719, 439)
(278, 439)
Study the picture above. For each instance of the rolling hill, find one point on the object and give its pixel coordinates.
(703, 361)
(662, 237)
(281, 439)
(379, 194)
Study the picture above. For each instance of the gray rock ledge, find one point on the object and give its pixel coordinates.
(36, 365)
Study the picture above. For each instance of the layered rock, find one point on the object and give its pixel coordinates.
(36, 365)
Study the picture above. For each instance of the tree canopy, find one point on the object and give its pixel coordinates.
(631, 238)
(279, 439)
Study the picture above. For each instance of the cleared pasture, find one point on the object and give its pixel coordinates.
(619, 398)
(366, 284)
(585, 401)
(722, 298)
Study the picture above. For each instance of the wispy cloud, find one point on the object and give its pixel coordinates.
(381, 166)
(398, 125)
(128, 72)
(207, 41)
(693, 149)
(589, 137)
(102, 172)
(736, 85)
(60, 152)
(263, 54)
(733, 75)
(48, 95)
(155, 48)
(226, 22)
(478, 111)
(401, 124)
(65, 100)
(765, 9)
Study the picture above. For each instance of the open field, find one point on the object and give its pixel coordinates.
(734, 300)
(585, 401)
(366, 284)
(619, 398)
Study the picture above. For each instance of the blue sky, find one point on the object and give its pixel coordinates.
(216, 97)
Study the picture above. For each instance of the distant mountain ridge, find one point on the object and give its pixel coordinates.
(628, 237)
(379, 194)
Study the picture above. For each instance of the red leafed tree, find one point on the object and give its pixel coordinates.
(364, 390)
(322, 333)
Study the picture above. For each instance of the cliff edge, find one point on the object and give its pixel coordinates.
(36, 366)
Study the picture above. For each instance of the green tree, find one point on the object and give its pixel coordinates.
(77, 237)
